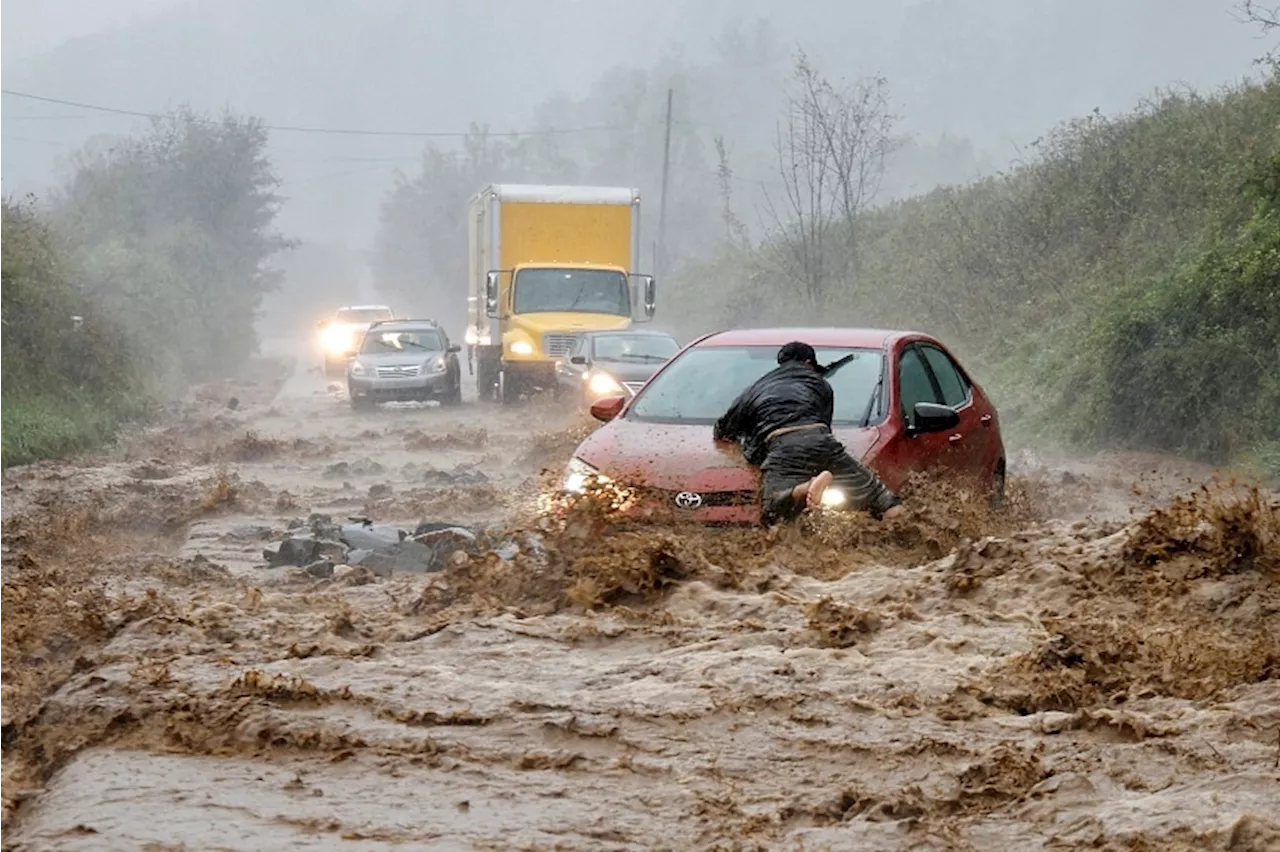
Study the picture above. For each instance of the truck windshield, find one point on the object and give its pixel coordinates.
(587, 291)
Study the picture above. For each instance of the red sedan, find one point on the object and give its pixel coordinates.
(903, 404)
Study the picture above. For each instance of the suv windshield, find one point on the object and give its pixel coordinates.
(588, 291)
(404, 340)
(634, 347)
(364, 315)
(701, 384)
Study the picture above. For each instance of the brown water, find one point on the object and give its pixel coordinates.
(1095, 667)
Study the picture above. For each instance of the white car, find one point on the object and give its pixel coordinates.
(340, 335)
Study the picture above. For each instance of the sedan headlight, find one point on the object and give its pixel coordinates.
(357, 369)
(521, 347)
(576, 475)
(603, 384)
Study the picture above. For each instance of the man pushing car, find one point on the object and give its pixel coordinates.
(784, 424)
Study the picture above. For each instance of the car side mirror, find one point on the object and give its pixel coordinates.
(931, 417)
(578, 359)
(453, 347)
(607, 408)
(491, 293)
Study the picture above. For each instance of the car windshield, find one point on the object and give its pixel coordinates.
(648, 348)
(589, 291)
(406, 340)
(700, 385)
(363, 315)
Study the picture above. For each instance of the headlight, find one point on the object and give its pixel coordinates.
(833, 498)
(337, 339)
(435, 365)
(357, 369)
(521, 347)
(603, 383)
(576, 475)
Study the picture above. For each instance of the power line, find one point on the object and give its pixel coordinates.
(331, 131)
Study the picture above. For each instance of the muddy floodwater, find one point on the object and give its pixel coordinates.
(1097, 665)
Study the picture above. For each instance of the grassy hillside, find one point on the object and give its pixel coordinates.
(1121, 288)
(66, 387)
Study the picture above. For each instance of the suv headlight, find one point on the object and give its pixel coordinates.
(435, 365)
(357, 369)
(576, 475)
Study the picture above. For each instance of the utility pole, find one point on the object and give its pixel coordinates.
(660, 260)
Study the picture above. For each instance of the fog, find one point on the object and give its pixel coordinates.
(972, 82)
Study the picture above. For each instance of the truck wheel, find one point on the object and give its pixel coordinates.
(508, 388)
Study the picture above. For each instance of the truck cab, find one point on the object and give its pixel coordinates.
(547, 264)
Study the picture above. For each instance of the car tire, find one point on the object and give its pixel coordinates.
(362, 403)
(999, 483)
(454, 396)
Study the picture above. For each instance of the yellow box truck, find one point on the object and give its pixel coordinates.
(547, 263)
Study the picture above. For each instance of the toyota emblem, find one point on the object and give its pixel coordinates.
(688, 500)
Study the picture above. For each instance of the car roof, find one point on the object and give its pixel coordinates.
(426, 323)
(634, 332)
(869, 338)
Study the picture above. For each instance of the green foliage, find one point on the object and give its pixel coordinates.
(160, 246)
(172, 231)
(1121, 288)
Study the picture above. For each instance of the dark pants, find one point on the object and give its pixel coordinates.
(796, 457)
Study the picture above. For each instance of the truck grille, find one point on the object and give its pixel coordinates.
(556, 345)
(398, 372)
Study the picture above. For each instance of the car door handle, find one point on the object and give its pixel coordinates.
(956, 437)
(986, 420)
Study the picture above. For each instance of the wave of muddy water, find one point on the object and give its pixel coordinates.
(1096, 667)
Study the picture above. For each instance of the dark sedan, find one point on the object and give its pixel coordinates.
(612, 363)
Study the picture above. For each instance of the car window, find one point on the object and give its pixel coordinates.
(914, 385)
(955, 390)
(639, 348)
(408, 341)
(699, 385)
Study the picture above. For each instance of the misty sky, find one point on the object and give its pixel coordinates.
(995, 73)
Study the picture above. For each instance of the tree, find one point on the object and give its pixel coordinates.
(831, 151)
(172, 233)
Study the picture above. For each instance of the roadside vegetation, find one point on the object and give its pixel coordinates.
(1119, 287)
(143, 273)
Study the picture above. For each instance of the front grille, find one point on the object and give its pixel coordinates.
(556, 345)
(710, 499)
(404, 372)
(634, 387)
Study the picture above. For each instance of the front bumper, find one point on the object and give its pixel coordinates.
(403, 389)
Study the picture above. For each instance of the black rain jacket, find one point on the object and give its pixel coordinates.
(792, 394)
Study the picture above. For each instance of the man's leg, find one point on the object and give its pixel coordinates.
(862, 488)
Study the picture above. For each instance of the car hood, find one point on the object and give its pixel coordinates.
(399, 359)
(628, 371)
(683, 457)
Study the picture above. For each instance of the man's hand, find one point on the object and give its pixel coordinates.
(898, 511)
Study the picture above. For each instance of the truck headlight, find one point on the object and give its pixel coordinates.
(357, 369)
(521, 347)
(576, 475)
(602, 384)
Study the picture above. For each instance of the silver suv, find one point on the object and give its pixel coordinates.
(403, 360)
